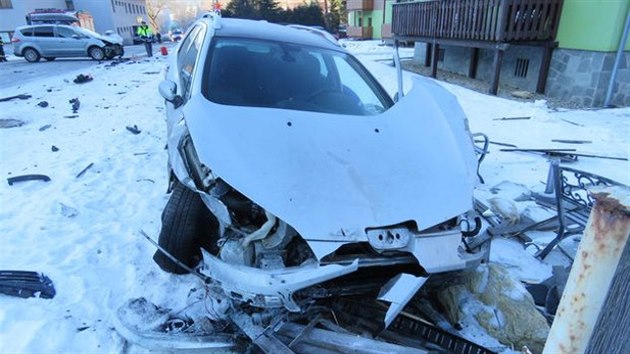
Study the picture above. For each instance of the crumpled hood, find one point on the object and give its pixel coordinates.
(112, 39)
(332, 176)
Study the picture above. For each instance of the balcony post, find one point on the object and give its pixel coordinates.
(427, 54)
(436, 54)
(474, 59)
(497, 62)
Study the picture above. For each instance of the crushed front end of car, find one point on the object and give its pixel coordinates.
(312, 205)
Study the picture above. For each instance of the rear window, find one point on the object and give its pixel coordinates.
(46, 31)
(248, 72)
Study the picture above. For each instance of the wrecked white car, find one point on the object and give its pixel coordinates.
(294, 175)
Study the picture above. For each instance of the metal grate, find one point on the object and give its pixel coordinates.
(520, 70)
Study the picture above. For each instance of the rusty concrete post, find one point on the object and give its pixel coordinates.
(597, 259)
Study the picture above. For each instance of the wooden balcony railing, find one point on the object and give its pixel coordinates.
(481, 20)
(359, 32)
(360, 5)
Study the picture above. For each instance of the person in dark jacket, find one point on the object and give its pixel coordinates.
(145, 33)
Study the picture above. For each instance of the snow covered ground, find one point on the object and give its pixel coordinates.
(83, 230)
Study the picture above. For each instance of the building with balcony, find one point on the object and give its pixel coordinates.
(565, 49)
(369, 19)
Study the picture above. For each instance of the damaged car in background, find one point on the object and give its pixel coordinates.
(295, 177)
(51, 41)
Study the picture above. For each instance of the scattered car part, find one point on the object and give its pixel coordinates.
(23, 178)
(567, 154)
(11, 123)
(144, 323)
(571, 141)
(43, 104)
(81, 78)
(76, 104)
(19, 97)
(134, 129)
(26, 284)
(84, 170)
(512, 118)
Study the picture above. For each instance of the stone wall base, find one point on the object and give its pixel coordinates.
(576, 76)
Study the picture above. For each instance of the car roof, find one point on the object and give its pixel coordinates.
(43, 25)
(241, 28)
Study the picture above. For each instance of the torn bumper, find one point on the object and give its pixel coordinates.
(270, 288)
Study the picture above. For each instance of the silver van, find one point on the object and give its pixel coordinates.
(51, 41)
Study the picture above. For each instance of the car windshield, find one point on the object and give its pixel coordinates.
(248, 72)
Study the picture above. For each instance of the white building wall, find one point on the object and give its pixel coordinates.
(117, 15)
(16, 16)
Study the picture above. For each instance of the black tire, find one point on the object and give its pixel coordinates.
(50, 58)
(31, 55)
(187, 225)
(96, 53)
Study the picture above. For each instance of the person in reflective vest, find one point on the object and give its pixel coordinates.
(2, 55)
(145, 33)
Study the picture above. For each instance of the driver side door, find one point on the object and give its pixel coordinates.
(71, 43)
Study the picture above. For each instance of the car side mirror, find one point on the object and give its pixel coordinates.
(76, 36)
(168, 90)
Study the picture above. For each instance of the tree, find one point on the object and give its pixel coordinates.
(334, 16)
(309, 15)
(269, 10)
(154, 7)
(242, 9)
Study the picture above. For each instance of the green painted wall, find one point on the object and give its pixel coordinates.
(377, 22)
(388, 11)
(592, 24)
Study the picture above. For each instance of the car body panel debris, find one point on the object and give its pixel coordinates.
(26, 284)
(24, 178)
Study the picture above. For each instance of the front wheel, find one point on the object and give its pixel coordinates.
(187, 225)
(96, 53)
(31, 55)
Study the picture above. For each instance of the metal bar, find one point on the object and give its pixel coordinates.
(344, 343)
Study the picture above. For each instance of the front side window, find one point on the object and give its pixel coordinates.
(188, 59)
(65, 32)
(248, 72)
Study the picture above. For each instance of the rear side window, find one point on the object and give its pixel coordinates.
(27, 32)
(46, 31)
